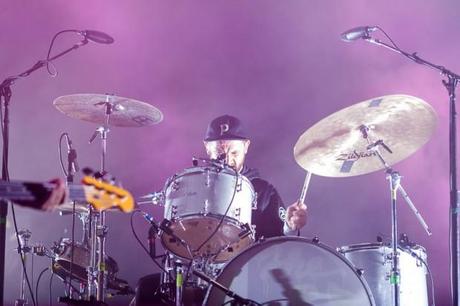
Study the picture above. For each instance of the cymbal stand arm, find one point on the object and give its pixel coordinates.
(414, 210)
(374, 147)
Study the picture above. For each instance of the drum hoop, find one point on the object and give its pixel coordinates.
(203, 215)
(375, 246)
(191, 170)
(302, 239)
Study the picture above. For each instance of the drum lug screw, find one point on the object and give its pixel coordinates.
(175, 186)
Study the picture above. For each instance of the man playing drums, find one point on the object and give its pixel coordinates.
(226, 139)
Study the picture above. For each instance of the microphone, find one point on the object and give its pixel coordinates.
(71, 155)
(97, 36)
(362, 32)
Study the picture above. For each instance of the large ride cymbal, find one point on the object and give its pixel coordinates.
(92, 107)
(335, 146)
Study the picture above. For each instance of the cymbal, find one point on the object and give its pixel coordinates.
(92, 107)
(80, 208)
(335, 146)
(67, 208)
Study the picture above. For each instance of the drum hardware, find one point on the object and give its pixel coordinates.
(164, 227)
(155, 198)
(177, 288)
(86, 258)
(107, 110)
(246, 231)
(179, 282)
(395, 184)
(23, 249)
(236, 299)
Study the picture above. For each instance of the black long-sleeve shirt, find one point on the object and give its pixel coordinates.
(266, 217)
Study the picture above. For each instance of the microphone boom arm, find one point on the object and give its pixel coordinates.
(414, 57)
(41, 63)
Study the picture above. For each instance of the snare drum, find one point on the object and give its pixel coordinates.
(81, 261)
(375, 260)
(199, 200)
(291, 271)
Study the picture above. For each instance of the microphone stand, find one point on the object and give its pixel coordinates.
(5, 97)
(237, 299)
(450, 84)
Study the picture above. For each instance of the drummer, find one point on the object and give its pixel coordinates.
(225, 139)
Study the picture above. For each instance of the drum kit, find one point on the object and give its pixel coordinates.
(366, 137)
(207, 233)
(85, 262)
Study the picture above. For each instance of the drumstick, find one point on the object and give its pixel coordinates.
(306, 183)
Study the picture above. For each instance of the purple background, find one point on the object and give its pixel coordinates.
(278, 65)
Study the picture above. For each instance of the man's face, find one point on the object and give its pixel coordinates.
(234, 150)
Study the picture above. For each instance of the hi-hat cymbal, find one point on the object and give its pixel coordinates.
(92, 107)
(335, 146)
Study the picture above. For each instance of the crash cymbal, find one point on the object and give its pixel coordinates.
(335, 146)
(92, 107)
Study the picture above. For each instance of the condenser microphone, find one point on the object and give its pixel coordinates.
(358, 33)
(97, 36)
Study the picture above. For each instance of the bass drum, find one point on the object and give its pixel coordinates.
(375, 260)
(291, 271)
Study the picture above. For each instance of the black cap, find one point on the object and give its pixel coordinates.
(225, 127)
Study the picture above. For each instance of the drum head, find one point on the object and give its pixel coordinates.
(291, 271)
(196, 231)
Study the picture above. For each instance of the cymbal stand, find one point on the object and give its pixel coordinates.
(24, 248)
(101, 233)
(92, 268)
(100, 227)
(395, 184)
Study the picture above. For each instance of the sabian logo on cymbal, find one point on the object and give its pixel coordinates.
(355, 155)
